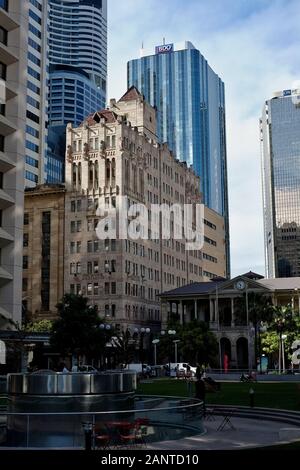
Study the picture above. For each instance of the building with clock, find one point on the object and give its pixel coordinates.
(230, 306)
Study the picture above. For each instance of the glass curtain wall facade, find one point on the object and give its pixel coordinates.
(280, 145)
(190, 101)
(78, 71)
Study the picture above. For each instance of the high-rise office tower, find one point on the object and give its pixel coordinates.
(37, 92)
(280, 146)
(190, 103)
(13, 83)
(78, 70)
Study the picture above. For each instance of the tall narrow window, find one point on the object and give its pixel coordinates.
(107, 172)
(1, 143)
(113, 172)
(79, 174)
(74, 167)
(96, 170)
(45, 268)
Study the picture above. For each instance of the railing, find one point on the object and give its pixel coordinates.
(161, 418)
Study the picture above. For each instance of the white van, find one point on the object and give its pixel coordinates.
(182, 367)
(140, 368)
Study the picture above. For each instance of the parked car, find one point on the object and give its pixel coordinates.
(144, 369)
(182, 367)
(87, 368)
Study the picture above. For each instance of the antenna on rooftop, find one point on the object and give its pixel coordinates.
(164, 41)
(142, 50)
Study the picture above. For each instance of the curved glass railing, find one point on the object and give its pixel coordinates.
(152, 419)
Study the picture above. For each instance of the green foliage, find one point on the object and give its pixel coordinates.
(41, 326)
(269, 342)
(260, 308)
(197, 343)
(284, 320)
(77, 330)
(124, 347)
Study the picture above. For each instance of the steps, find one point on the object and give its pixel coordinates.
(269, 414)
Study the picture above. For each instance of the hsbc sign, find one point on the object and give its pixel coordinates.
(164, 49)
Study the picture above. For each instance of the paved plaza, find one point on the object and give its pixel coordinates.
(247, 433)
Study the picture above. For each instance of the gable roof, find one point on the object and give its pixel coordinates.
(194, 288)
(252, 275)
(131, 94)
(282, 283)
(94, 118)
(253, 281)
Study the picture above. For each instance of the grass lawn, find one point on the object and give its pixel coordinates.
(271, 395)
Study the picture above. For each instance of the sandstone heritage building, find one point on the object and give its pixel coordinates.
(114, 153)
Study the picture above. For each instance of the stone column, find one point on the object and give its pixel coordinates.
(233, 352)
(211, 311)
(195, 310)
(182, 313)
(232, 313)
(217, 313)
(170, 310)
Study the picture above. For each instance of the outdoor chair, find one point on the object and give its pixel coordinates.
(226, 421)
(101, 437)
(141, 432)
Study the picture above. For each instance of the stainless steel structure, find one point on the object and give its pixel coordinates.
(63, 393)
(71, 383)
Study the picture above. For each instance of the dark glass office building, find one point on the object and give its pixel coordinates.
(78, 71)
(280, 144)
(190, 101)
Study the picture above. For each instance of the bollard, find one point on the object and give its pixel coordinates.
(88, 431)
(251, 396)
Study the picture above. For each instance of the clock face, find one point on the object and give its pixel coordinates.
(240, 285)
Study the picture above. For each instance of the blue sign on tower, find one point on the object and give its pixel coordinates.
(164, 49)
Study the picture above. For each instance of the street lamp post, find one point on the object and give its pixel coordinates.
(176, 341)
(170, 333)
(105, 328)
(142, 331)
(261, 329)
(155, 343)
(280, 327)
(283, 337)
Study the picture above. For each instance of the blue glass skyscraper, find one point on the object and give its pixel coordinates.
(78, 71)
(280, 145)
(190, 101)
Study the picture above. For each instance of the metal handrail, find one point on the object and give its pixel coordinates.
(133, 410)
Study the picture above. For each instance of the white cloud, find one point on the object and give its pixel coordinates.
(254, 47)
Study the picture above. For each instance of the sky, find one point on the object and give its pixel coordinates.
(253, 45)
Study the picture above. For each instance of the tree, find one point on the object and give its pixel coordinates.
(286, 321)
(41, 326)
(124, 347)
(260, 308)
(197, 343)
(77, 330)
